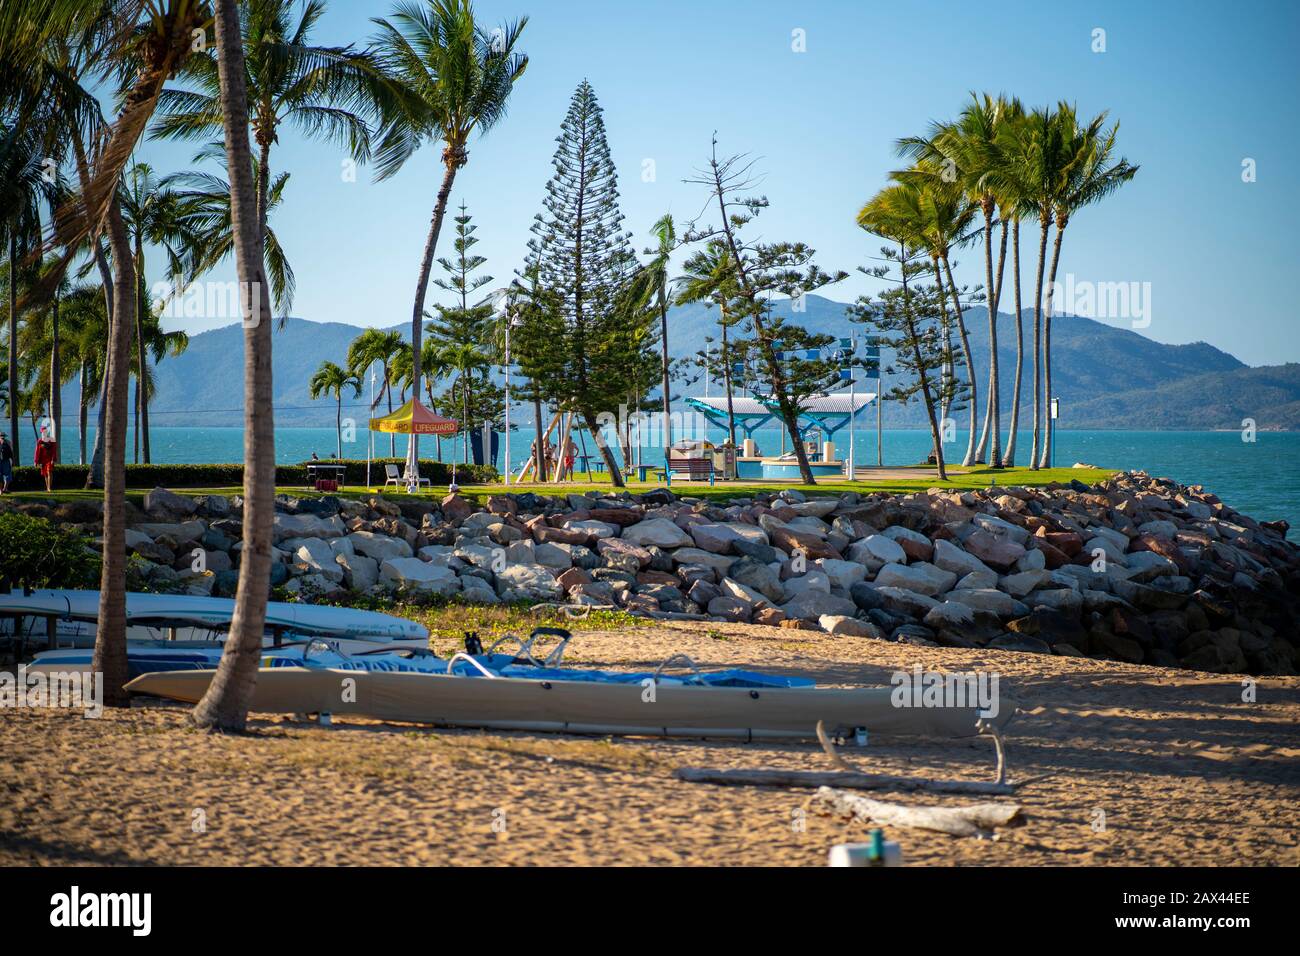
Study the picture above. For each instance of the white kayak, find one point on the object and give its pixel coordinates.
(188, 613)
(581, 707)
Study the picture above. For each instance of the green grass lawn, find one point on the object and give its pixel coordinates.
(958, 479)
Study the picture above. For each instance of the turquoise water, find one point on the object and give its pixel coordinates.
(1258, 478)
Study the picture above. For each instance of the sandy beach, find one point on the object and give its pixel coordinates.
(1121, 764)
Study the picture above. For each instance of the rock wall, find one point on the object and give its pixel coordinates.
(1135, 569)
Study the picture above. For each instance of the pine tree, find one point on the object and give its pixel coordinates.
(463, 333)
(584, 344)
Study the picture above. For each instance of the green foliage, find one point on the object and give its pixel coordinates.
(40, 554)
(583, 344)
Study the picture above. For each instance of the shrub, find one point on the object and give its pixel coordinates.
(40, 554)
(232, 475)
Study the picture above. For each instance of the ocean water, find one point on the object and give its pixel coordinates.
(1256, 477)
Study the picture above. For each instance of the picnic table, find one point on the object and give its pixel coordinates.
(325, 470)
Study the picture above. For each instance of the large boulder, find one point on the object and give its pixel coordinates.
(900, 601)
(920, 577)
(988, 599)
(877, 550)
(952, 558)
(657, 531)
(307, 526)
(527, 582)
(733, 588)
(842, 574)
(314, 556)
(841, 625)
(811, 605)
(994, 550)
(758, 576)
(379, 546)
(416, 575)
(713, 537)
(359, 572)
(161, 503)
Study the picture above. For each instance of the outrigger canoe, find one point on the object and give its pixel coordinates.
(649, 707)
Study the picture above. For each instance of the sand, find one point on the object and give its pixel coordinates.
(1121, 764)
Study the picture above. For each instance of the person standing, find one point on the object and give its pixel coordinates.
(6, 463)
(44, 459)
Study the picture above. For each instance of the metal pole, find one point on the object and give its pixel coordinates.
(506, 469)
(880, 394)
(370, 445)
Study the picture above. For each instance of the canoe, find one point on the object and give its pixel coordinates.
(580, 707)
(210, 613)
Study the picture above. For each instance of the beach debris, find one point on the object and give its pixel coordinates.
(976, 820)
(877, 851)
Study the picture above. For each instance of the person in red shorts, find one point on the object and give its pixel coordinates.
(44, 460)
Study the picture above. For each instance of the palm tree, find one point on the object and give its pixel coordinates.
(330, 378)
(964, 152)
(225, 705)
(373, 346)
(203, 208)
(709, 275)
(1032, 168)
(649, 287)
(1013, 205)
(1089, 174)
(897, 213)
(465, 358)
(455, 78)
(146, 42)
(152, 213)
(323, 91)
(943, 213)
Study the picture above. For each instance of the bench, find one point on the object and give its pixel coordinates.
(693, 469)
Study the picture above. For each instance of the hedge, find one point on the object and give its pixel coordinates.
(232, 475)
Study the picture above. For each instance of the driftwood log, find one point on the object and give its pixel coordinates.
(978, 820)
(847, 779)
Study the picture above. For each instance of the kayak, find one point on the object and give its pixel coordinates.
(651, 706)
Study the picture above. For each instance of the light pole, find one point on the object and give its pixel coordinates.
(370, 434)
(511, 320)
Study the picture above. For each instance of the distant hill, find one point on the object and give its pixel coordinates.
(1106, 377)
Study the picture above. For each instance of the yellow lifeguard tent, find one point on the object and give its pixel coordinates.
(411, 419)
(414, 419)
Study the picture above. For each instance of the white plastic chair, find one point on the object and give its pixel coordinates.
(394, 477)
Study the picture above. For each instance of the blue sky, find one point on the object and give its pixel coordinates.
(1198, 88)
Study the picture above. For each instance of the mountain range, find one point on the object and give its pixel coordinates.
(1105, 377)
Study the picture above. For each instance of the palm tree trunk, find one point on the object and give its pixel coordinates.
(388, 396)
(110, 635)
(1044, 223)
(1046, 459)
(539, 452)
(95, 477)
(913, 336)
(949, 371)
(422, 288)
(81, 414)
(56, 381)
(990, 300)
(464, 404)
(1009, 458)
(139, 345)
(668, 397)
(992, 429)
(13, 339)
(338, 424)
(973, 399)
(225, 705)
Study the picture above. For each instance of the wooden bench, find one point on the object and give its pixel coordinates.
(693, 469)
